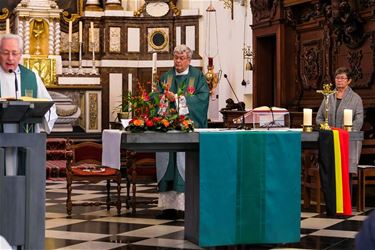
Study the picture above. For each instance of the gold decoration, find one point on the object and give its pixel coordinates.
(326, 92)
(211, 78)
(39, 37)
(5, 14)
(138, 12)
(162, 34)
(44, 67)
(93, 111)
(173, 7)
(74, 16)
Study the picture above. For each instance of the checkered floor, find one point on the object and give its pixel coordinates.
(95, 228)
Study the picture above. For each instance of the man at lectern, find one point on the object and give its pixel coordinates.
(15, 80)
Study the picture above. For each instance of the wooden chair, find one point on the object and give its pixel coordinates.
(365, 171)
(84, 164)
(141, 168)
(311, 179)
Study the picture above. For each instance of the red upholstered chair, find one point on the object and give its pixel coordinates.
(141, 168)
(84, 164)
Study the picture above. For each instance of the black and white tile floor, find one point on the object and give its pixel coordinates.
(97, 228)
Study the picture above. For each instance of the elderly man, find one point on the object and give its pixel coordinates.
(10, 55)
(194, 102)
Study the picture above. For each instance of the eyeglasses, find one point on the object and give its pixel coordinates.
(341, 78)
(8, 53)
(182, 58)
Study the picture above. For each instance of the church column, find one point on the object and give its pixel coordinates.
(113, 5)
(26, 36)
(57, 37)
(93, 5)
(51, 37)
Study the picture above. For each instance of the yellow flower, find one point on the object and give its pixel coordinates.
(165, 122)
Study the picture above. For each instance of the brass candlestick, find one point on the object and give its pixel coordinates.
(326, 92)
(307, 128)
(348, 128)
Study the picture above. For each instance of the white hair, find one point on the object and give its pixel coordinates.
(182, 48)
(12, 36)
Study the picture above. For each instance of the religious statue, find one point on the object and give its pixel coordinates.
(38, 30)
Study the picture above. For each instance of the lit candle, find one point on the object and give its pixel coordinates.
(307, 117)
(92, 31)
(154, 58)
(7, 26)
(348, 117)
(70, 31)
(80, 31)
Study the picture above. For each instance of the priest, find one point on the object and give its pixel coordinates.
(193, 100)
(15, 81)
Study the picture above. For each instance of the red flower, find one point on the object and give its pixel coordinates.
(190, 90)
(156, 119)
(149, 123)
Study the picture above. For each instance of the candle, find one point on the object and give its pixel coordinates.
(154, 58)
(92, 31)
(80, 31)
(130, 82)
(7, 26)
(348, 117)
(70, 31)
(307, 117)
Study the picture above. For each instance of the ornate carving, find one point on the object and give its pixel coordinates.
(290, 18)
(310, 68)
(263, 9)
(355, 59)
(348, 26)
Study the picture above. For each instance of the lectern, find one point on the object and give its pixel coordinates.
(22, 197)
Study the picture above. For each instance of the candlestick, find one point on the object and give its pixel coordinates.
(80, 31)
(80, 69)
(326, 92)
(93, 70)
(7, 26)
(70, 70)
(70, 31)
(92, 32)
(348, 117)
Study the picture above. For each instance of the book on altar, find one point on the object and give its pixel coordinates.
(264, 118)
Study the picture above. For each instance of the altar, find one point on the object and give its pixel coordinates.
(242, 187)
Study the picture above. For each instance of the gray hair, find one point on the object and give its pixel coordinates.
(182, 48)
(12, 36)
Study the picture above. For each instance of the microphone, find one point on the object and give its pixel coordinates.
(15, 80)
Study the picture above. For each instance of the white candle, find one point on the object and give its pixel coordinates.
(7, 26)
(92, 31)
(80, 31)
(70, 31)
(307, 117)
(130, 82)
(348, 117)
(154, 58)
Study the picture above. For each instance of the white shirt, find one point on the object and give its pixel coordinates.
(7, 85)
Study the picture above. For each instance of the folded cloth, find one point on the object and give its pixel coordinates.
(111, 140)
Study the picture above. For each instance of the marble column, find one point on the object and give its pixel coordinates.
(113, 5)
(93, 5)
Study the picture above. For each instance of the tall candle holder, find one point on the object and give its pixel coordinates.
(93, 70)
(326, 92)
(70, 69)
(80, 69)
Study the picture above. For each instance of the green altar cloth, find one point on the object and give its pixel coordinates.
(250, 187)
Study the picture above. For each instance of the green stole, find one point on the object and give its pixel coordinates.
(28, 81)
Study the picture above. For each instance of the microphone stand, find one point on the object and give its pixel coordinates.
(242, 126)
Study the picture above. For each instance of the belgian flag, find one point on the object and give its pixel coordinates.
(334, 170)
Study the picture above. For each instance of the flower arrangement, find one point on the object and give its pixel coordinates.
(156, 111)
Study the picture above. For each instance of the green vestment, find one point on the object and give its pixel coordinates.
(197, 103)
